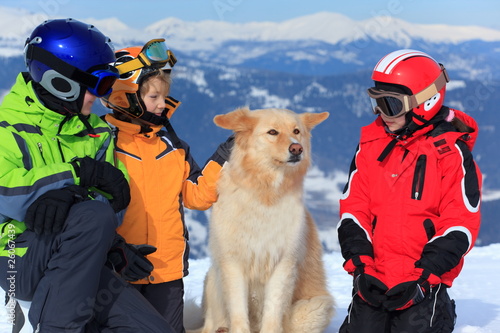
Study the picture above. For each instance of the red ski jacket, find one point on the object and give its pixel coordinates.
(416, 209)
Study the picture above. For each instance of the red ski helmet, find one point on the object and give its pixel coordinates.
(408, 81)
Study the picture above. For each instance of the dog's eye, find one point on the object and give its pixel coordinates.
(272, 132)
(296, 131)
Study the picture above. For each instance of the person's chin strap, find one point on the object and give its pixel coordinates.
(390, 146)
(157, 120)
(90, 129)
(408, 131)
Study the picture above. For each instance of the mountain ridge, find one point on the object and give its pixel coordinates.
(16, 24)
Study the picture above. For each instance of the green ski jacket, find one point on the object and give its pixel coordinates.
(36, 148)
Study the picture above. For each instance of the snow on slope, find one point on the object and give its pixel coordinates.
(475, 291)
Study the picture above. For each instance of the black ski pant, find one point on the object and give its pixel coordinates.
(168, 299)
(65, 278)
(435, 314)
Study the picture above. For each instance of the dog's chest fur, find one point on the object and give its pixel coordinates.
(256, 235)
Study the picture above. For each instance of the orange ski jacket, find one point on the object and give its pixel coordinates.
(164, 179)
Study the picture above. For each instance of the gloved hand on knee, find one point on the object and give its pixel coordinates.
(48, 213)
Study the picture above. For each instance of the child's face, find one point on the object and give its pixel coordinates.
(88, 101)
(394, 123)
(154, 97)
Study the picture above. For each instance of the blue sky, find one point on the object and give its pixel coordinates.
(141, 13)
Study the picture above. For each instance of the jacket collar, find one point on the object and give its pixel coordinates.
(131, 129)
(23, 100)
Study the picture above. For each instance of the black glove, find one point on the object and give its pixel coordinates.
(369, 288)
(104, 176)
(49, 211)
(406, 294)
(129, 260)
(224, 149)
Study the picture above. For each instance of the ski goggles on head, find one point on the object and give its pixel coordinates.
(393, 104)
(155, 53)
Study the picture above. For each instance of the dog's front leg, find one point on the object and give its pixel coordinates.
(216, 314)
(278, 296)
(235, 291)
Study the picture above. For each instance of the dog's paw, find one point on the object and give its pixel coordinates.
(222, 330)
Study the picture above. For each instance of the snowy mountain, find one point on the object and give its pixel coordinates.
(314, 63)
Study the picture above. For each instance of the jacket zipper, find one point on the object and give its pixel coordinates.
(60, 150)
(39, 144)
(418, 178)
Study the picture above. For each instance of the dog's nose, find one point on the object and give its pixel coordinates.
(296, 149)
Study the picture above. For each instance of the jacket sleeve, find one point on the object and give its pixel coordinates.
(459, 220)
(355, 225)
(20, 182)
(200, 187)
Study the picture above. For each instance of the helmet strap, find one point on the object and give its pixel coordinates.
(411, 128)
(151, 118)
(387, 150)
(34, 52)
(90, 129)
(156, 120)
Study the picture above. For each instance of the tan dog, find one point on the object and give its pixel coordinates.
(267, 273)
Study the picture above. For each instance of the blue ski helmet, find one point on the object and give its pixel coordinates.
(63, 55)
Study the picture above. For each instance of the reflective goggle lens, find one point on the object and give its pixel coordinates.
(390, 106)
(157, 52)
(105, 80)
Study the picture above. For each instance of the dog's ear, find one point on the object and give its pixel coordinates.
(238, 120)
(310, 120)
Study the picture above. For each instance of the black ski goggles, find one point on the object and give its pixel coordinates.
(155, 53)
(393, 104)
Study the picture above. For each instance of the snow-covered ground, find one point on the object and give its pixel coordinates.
(476, 291)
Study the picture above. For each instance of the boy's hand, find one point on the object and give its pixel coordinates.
(224, 149)
(48, 213)
(130, 260)
(370, 289)
(104, 176)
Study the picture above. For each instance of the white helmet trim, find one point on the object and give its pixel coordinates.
(387, 64)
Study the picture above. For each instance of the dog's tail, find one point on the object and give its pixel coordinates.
(193, 316)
